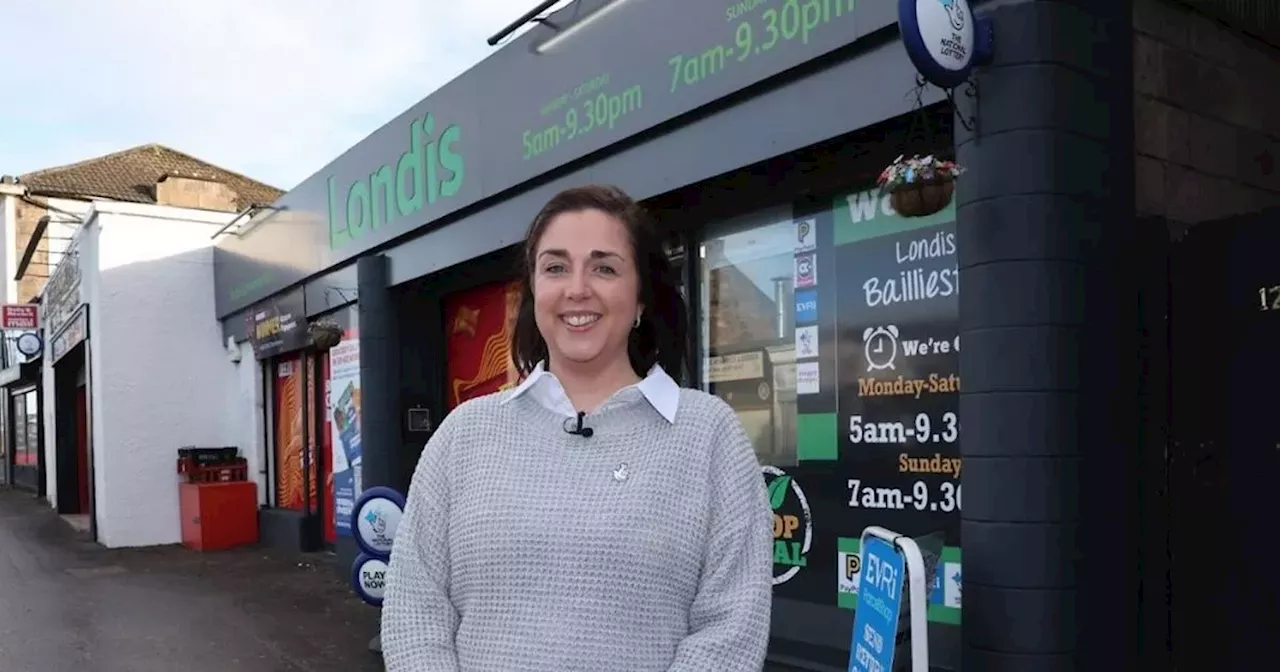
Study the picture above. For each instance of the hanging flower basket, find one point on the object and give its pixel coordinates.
(324, 334)
(919, 186)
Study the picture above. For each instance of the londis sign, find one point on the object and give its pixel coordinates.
(430, 168)
(792, 524)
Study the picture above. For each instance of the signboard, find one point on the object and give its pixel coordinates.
(369, 578)
(62, 295)
(278, 326)
(374, 520)
(944, 39)
(875, 627)
(73, 334)
(18, 316)
(521, 113)
(30, 344)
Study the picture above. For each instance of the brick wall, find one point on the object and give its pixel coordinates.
(1207, 117)
(37, 273)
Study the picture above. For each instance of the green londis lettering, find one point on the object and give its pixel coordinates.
(429, 168)
(757, 33)
(595, 110)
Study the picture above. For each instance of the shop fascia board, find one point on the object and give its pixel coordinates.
(503, 100)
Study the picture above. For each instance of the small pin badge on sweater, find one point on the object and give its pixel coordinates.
(620, 474)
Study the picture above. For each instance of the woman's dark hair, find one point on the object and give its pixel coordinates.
(662, 337)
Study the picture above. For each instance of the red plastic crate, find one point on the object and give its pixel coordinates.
(235, 470)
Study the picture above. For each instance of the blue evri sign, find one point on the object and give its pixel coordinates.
(879, 600)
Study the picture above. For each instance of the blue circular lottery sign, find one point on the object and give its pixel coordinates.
(374, 520)
(940, 39)
(369, 578)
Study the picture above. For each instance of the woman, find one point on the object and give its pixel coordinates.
(596, 517)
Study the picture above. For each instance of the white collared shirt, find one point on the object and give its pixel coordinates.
(658, 388)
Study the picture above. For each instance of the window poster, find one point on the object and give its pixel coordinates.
(478, 327)
(288, 433)
(877, 386)
(898, 381)
(344, 426)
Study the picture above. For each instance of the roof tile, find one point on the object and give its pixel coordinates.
(131, 175)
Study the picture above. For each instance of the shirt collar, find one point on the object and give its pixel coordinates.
(658, 388)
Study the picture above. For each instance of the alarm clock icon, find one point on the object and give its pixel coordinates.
(880, 345)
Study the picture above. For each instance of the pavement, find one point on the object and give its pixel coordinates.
(67, 603)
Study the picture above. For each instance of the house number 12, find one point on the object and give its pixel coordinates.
(1269, 298)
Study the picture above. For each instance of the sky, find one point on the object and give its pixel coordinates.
(273, 89)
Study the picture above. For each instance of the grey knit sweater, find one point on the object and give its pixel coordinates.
(646, 547)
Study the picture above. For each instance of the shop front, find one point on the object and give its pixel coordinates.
(311, 386)
(22, 460)
(69, 356)
(755, 132)
(24, 453)
(67, 382)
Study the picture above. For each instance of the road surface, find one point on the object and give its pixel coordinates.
(68, 604)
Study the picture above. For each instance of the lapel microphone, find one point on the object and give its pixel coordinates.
(584, 432)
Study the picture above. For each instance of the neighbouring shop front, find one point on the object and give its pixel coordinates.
(832, 324)
(23, 433)
(311, 388)
(67, 323)
(22, 458)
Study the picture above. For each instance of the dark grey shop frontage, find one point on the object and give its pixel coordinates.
(755, 131)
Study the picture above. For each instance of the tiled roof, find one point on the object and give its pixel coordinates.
(131, 175)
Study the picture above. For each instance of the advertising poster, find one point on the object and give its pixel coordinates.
(344, 427)
(479, 323)
(288, 426)
(898, 383)
(278, 326)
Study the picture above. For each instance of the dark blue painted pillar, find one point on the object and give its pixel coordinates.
(379, 364)
(1048, 321)
(379, 379)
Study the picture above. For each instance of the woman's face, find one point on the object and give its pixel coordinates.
(585, 287)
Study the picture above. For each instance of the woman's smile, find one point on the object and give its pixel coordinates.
(579, 321)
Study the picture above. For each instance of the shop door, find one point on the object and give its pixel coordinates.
(324, 460)
(1225, 453)
(25, 439)
(82, 449)
(289, 435)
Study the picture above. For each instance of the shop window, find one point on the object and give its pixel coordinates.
(746, 327)
(29, 456)
(19, 415)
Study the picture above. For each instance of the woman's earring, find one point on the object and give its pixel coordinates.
(636, 325)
